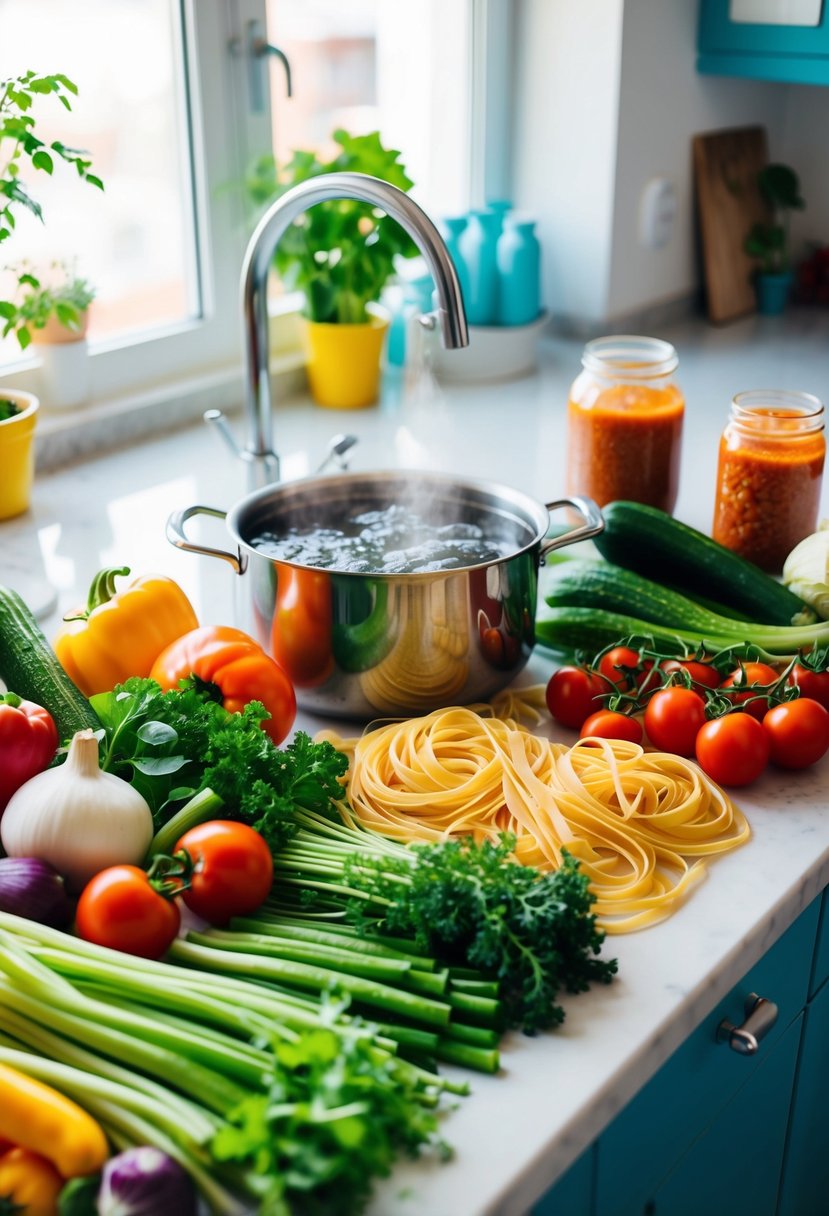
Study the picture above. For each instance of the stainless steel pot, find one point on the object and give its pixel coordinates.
(360, 645)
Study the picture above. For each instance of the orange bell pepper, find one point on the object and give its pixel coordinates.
(29, 1183)
(121, 633)
(234, 664)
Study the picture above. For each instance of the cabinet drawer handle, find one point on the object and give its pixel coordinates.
(760, 1016)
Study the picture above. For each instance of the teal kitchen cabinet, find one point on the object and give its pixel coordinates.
(708, 1133)
(795, 54)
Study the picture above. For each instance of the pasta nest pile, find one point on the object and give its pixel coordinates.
(640, 823)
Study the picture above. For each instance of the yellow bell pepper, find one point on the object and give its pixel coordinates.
(38, 1118)
(121, 633)
(29, 1183)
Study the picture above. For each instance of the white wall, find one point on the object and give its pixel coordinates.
(568, 60)
(608, 97)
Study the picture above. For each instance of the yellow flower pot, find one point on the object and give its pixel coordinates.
(343, 362)
(17, 454)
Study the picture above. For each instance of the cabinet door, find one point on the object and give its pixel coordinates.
(735, 1165)
(806, 1172)
(573, 1193)
(701, 1078)
(798, 54)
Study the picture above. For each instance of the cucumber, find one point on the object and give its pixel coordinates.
(656, 545)
(30, 668)
(587, 584)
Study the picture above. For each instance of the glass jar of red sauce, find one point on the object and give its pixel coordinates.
(624, 423)
(769, 475)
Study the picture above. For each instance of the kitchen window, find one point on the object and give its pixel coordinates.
(176, 99)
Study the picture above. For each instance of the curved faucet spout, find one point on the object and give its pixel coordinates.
(263, 463)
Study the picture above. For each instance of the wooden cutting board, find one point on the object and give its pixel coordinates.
(726, 164)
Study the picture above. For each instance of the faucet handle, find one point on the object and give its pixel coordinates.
(217, 419)
(338, 445)
(267, 464)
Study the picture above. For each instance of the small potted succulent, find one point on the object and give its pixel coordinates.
(340, 254)
(52, 313)
(769, 241)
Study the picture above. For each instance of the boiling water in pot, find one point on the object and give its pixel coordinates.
(394, 540)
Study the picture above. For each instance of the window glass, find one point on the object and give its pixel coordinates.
(136, 241)
(377, 65)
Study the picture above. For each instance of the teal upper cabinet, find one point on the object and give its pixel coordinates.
(785, 40)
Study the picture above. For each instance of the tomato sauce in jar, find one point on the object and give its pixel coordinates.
(769, 475)
(624, 423)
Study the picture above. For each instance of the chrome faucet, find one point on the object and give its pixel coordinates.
(262, 461)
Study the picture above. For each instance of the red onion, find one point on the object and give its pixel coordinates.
(145, 1182)
(30, 887)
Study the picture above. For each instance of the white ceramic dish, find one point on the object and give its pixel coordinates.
(495, 352)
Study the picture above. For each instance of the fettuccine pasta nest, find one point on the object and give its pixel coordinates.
(641, 823)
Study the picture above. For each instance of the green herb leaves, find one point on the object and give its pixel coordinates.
(532, 932)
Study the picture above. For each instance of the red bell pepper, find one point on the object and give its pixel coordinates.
(28, 741)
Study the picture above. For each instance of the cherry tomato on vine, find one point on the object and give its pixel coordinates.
(700, 673)
(232, 870)
(750, 673)
(121, 909)
(612, 663)
(573, 694)
(734, 749)
(608, 724)
(798, 732)
(812, 684)
(673, 717)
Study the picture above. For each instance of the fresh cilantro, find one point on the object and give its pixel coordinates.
(337, 1116)
(171, 745)
(471, 903)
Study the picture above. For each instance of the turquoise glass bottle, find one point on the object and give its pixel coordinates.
(478, 249)
(519, 273)
(452, 229)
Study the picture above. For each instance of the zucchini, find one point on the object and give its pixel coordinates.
(654, 544)
(587, 584)
(603, 587)
(30, 667)
(567, 630)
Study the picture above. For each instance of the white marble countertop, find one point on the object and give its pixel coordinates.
(520, 1130)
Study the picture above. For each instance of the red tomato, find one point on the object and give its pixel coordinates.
(573, 694)
(798, 732)
(751, 673)
(812, 684)
(232, 870)
(734, 749)
(608, 724)
(119, 908)
(673, 716)
(612, 663)
(700, 673)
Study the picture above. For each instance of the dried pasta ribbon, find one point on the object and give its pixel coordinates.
(639, 822)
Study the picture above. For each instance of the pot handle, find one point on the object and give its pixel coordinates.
(176, 536)
(592, 526)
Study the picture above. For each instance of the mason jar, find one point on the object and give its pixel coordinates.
(624, 423)
(769, 475)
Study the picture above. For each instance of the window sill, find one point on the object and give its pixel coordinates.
(66, 436)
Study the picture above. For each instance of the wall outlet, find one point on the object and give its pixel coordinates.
(657, 211)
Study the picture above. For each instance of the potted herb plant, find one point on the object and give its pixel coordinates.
(52, 315)
(340, 254)
(21, 148)
(769, 242)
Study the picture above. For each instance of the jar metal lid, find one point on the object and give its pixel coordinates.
(629, 357)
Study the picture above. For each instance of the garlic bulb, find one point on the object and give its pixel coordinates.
(77, 818)
(806, 570)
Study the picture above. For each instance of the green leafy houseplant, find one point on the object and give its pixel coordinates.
(64, 301)
(769, 242)
(340, 253)
(21, 148)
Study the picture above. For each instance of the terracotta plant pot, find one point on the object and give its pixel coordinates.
(17, 453)
(343, 362)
